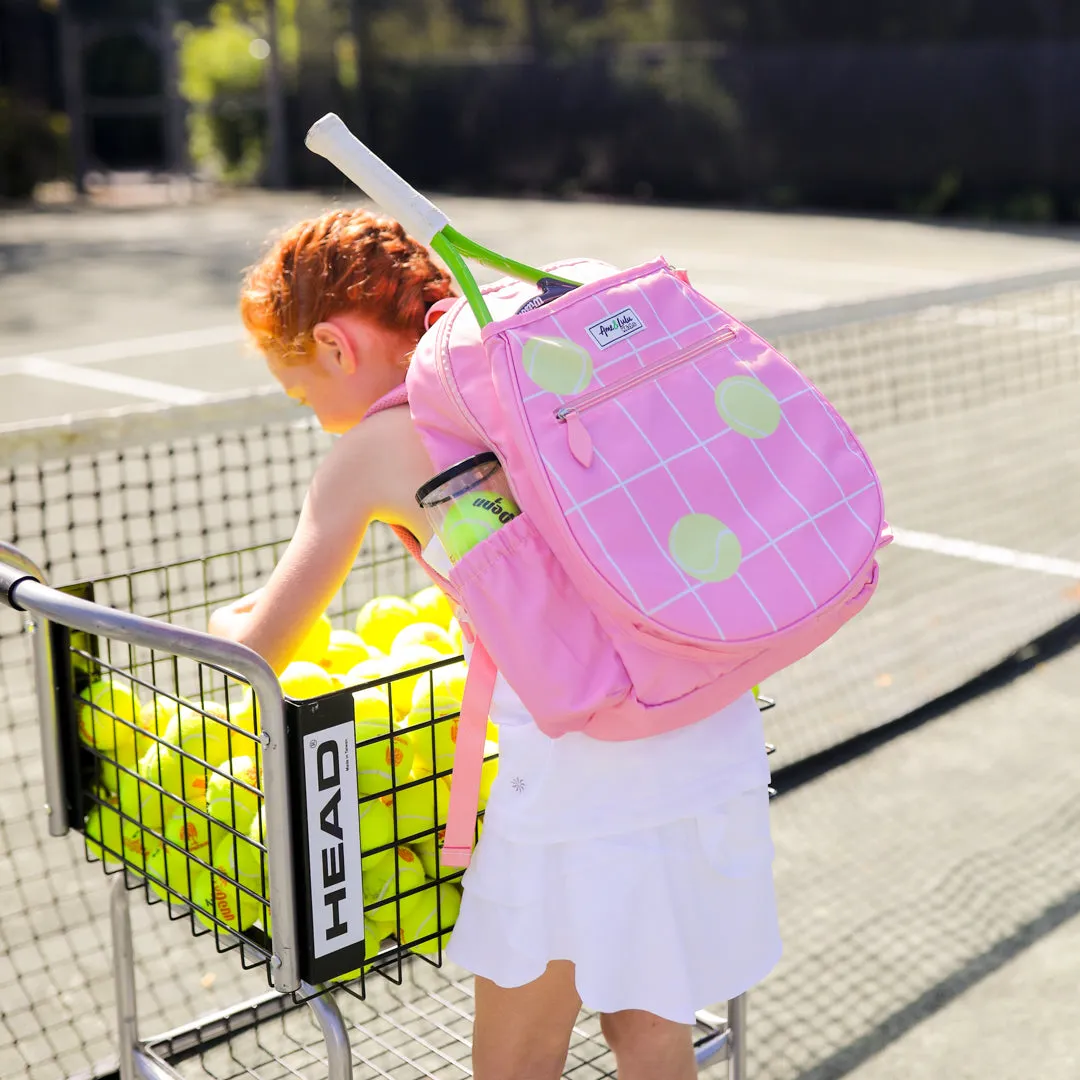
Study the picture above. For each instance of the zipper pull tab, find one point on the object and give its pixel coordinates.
(579, 440)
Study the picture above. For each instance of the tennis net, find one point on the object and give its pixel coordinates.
(966, 400)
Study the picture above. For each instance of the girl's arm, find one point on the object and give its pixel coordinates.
(371, 473)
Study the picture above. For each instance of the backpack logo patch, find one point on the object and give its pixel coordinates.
(616, 328)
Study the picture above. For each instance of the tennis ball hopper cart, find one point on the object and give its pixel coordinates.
(296, 828)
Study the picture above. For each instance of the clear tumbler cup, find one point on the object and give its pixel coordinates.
(467, 503)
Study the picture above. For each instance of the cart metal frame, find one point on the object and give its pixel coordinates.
(23, 587)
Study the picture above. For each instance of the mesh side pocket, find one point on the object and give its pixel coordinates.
(539, 630)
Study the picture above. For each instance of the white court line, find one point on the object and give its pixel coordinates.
(155, 345)
(73, 375)
(986, 553)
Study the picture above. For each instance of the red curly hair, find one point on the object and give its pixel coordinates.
(344, 261)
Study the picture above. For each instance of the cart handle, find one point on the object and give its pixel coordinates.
(24, 593)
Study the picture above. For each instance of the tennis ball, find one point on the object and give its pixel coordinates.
(105, 705)
(382, 760)
(434, 745)
(455, 635)
(344, 652)
(171, 874)
(756, 691)
(432, 606)
(444, 683)
(419, 808)
(202, 898)
(239, 871)
(392, 877)
(179, 775)
(142, 802)
(372, 669)
(433, 917)
(704, 547)
(474, 518)
(425, 849)
(374, 935)
(111, 839)
(372, 705)
(229, 802)
(557, 364)
(423, 633)
(198, 736)
(316, 641)
(748, 406)
(380, 620)
(304, 679)
(376, 824)
(188, 830)
(244, 714)
(410, 658)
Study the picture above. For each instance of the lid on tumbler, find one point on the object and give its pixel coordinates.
(436, 482)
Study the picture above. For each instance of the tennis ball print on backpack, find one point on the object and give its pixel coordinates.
(557, 364)
(704, 547)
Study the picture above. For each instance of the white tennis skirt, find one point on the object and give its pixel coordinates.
(669, 919)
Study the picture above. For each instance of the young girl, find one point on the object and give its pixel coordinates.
(635, 877)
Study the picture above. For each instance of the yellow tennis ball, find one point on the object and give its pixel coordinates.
(748, 406)
(344, 652)
(316, 640)
(171, 874)
(442, 683)
(382, 760)
(198, 736)
(372, 704)
(426, 848)
(104, 707)
(434, 744)
(228, 800)
(474, 518)
(140, 801)
(391, 878)
(454, 632)
(178, 774)
(188, 830)
(304, 679)
(373, 669)
(557, 364)
(410, 658)
(418, 808)
(376, 824)
(423, 633)
(374, 935)
(114, 841)
(704, 547)
(239, 873)
(756, 691)
(432, 606)
(380, 620)
(425, 926)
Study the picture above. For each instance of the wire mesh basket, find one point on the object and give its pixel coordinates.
(295, 823)
(164, 758)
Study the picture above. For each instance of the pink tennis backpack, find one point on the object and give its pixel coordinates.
(695, 515)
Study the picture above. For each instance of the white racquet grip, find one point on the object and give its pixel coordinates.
(330, 138)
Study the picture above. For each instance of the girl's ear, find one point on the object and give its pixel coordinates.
(336, 348)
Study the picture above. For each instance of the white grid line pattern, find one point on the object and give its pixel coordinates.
(632, 351)
(704, 444)
(765, 547)
(599, 542)
(664, 549)
(802, 442)
(662, 464)
(742, 506)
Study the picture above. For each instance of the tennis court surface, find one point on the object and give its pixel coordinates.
(929, 887)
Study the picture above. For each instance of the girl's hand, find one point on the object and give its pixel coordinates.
(231, 620)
